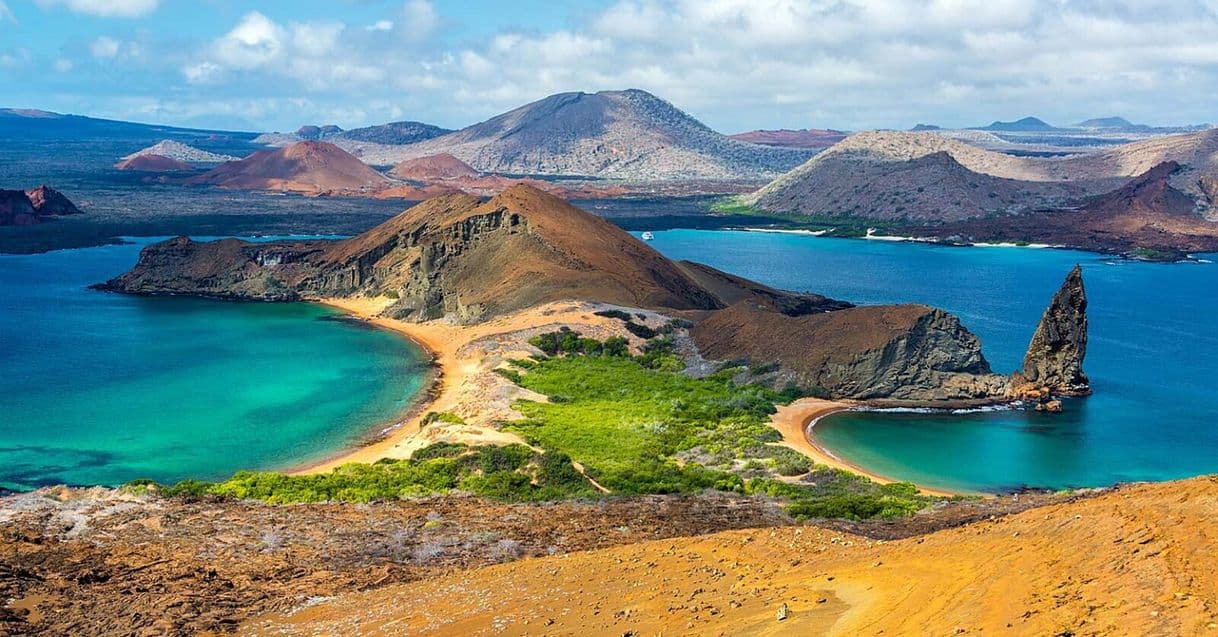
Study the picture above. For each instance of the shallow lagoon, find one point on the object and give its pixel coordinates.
(104, 388)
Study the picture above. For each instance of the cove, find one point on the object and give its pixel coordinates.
(103, 388)
(1152, 357)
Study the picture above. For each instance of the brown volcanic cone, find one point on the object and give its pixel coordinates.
(441, 167)
(302, 167)
(456, 254)
(153, 164)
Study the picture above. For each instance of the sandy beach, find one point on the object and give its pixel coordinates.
(792, 421)
(466, 356)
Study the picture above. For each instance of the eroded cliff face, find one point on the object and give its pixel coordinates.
(1053, 365)
(910, 353)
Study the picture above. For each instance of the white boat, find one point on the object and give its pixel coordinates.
(647, 236)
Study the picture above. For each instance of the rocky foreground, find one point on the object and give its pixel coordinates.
(106, 562)
(1137, 560)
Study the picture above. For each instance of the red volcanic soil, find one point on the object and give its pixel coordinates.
(308, 167)
(786, 138)
(154, 164)
(433, 168)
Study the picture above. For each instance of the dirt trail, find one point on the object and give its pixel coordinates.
(1139, 560)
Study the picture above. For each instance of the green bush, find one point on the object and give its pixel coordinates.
(442, 416)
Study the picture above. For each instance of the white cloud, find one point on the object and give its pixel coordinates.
(749, 63)
(316, 39)
(107, 8)
(256, 40)
(6, 14)
(419, 19)
(202, 72)
(63, 65)
(104, 47)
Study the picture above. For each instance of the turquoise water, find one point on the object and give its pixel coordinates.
(1153, 357)
(103, 388)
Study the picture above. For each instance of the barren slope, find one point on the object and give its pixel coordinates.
(302, 167)
(930, 177)
(618, 134)
(1135, 561)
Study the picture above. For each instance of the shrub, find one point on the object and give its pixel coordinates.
(438, 450)
(640, 330)
(442, 416)
(616, 314)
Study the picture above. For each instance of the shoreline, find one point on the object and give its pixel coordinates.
(403, 424)
(795, 422)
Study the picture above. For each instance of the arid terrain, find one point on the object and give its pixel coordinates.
(1134, 560)
(106, 562)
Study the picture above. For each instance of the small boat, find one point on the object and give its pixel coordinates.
(647, 236)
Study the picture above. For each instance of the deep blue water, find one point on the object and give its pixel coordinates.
(1153, 357)
(99, 388)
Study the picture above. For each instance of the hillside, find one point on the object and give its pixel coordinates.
(1025, 125)
(1148, 218)
(1137, 560)
(391, 134)
(785, 138)
(178, 151)
(36, 205)
(922, 176)
(394, 133)
(152, 163)
(466, 261)
(929, 177)
(440, 167)
(302, 167)
(628, 134)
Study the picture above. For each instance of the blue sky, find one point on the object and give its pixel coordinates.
(735, 64)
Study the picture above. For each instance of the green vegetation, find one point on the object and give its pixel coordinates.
(636, 425)
(442, 416)
(514, 473)
(1165, 255)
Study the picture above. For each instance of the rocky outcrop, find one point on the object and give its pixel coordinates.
(27, 207)
(1053, 365)
(180, 152)
(888, 352)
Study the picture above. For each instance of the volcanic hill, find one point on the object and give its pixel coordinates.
(27, 207)
(923, 180)
(442, 167)
(151, 163)
(628, 134)
(309, 167)
(180, 152)
(464, 260)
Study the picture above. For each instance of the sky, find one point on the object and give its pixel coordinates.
(735, 64)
